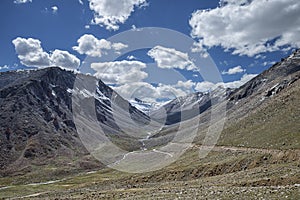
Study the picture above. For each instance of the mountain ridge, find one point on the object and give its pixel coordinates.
(37, 107)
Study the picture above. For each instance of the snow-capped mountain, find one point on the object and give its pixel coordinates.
(183, 108)
(146, 107)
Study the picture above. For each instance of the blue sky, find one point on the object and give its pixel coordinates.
(243, 39)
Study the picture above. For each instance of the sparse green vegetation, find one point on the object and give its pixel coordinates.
(223, 173)
(275, 125)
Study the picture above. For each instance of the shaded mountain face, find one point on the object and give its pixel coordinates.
(273, 80)
(36, 112)
(36, 109)
(264, 87)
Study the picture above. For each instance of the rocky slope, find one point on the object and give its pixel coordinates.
(264, 112)
(36, 118)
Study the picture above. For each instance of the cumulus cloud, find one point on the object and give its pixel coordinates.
(54, 9)
(22, 1)
(170, 91)
(31, 53)
(118, 46)
(142, 90)
(169, 58)
(120, 72)
(205, 86)
(208, 86)
(111, 13)
(148, 92)
(91, 46)
(64, 58)
(234, 70)
(248, 27)
(199, 47)
(127, 78)
(186, 85)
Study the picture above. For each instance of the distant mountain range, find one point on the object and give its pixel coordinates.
(146, 107)
(36, 109)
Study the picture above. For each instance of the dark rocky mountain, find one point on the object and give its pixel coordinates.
(273, 80)
(36, 118)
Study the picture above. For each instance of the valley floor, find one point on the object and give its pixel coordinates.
(226, 173)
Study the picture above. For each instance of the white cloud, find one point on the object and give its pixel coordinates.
(148, 92)
(80, 1)
(131, 57)
(54, 9)
(235, 84)
(91, 46)
(248, 27)
(260, 56)
(31, 53)
(234, 70)
(87, 26)
(170, 58)
(111, 13)
(65, 59)
(118, 46)
(205, 86)
(170, 91)
(133, 27)
(199, 47)
(22, 1)
(269, 63)
(208, 86)
(4, 67)
(120, 72)
(186, 85)
(127, 79)
(142, 90)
